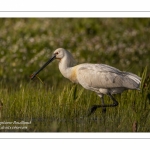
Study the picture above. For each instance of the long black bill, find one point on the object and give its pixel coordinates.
(50, 60)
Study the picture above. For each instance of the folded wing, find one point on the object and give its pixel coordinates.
(104, 76)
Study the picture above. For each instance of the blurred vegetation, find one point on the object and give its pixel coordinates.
(58, 105)
(25, 44)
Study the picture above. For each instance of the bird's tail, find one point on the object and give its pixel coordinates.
(135, 80)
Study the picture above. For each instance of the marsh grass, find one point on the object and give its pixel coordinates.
(65, 109)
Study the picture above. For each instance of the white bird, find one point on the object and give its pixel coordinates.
(100, 78)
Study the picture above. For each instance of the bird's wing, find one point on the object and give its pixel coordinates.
(103, 76)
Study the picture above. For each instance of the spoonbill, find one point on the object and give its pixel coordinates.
(100, 78)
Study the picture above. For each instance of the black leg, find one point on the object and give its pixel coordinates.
(115, 103)
(94, 107)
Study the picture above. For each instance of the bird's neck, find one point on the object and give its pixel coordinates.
(65, 66)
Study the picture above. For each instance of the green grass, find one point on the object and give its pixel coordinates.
(65, 109)
(57, 104)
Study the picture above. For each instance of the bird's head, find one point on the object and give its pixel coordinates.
(59, 53)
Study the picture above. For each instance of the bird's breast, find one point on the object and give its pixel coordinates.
(73, 75)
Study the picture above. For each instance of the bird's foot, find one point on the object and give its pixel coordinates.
(92, 110)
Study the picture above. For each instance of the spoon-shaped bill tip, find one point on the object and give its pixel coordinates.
(32, 76)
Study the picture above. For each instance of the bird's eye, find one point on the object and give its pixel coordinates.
(56, 53)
